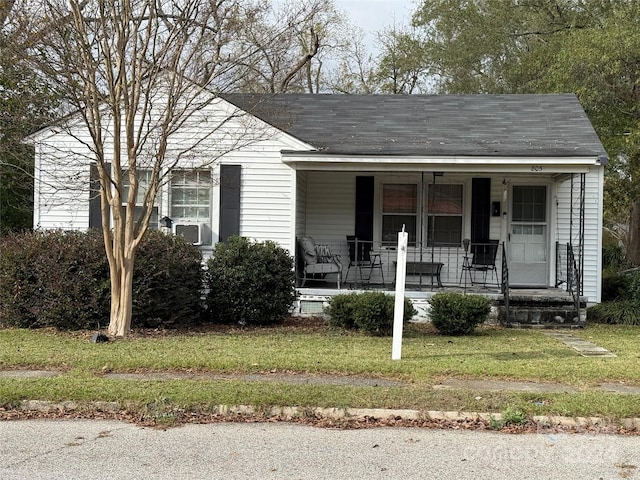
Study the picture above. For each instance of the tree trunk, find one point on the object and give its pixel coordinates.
(121, 296)
(633, 245)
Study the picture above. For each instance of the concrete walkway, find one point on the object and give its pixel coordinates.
(584, 348)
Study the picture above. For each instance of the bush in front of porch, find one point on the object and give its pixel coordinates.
(371, 312)
(458, 314)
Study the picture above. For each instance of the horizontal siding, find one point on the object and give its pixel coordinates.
(61, 186)
(330, 206)
(566, 232)
(266, 194)
(207, 139)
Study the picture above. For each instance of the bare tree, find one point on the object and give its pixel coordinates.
(356, 69)
(290, 43)
(137, 73)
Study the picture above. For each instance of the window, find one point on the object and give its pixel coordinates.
(144, 180)
(529, 204)
(444, 214)
(399, 207)
(191, 196)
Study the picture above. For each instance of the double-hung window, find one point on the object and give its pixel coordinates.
(444, 214)
(144, 180)
(399, 208)
(191, 196)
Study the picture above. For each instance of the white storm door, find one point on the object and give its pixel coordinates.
(528, 246)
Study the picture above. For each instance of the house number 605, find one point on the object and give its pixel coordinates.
(536, 168)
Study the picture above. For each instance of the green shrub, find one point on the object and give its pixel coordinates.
(249, 283)
(458, 314)
(61, 279)
(613, 256)
(615, 285)
(167, 282)
(341, 310)
(54, 279)
(624, 312)
(371, 312)
(633, 293)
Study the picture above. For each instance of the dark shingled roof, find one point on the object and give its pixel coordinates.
(431, 125)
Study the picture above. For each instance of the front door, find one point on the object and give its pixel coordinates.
(528, 252)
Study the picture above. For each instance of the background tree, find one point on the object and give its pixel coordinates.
(589, 47)
(403, 66)
(355, 68)
(291, 40)
(25, 104)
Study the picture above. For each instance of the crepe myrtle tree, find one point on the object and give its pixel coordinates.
(135, 75)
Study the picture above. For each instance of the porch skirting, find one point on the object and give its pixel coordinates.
(550, 308)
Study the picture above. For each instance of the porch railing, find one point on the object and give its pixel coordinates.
(574, 285)
(374, 263)
(505, 283)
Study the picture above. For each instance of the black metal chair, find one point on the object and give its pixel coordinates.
(360, 255)
(484, 260)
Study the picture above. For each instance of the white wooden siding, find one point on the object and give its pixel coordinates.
(330, 206)
(61, 186)
(63, 164)
(568, 226)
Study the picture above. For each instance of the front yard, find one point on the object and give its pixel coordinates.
(311, 348)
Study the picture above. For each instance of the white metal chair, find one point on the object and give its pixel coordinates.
(317, 261)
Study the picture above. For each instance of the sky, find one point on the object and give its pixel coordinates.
(374, 15)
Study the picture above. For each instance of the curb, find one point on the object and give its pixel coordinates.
(351, 414)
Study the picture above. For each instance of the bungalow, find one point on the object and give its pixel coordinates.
(502, 192)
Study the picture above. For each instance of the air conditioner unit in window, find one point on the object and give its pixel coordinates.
(190, 231)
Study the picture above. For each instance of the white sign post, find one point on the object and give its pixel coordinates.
(398, 312)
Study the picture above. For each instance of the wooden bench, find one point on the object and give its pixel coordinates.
(426, 269)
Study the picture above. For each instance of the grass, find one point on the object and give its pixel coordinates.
(490, 353)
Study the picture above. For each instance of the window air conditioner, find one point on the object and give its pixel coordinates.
(191, 232)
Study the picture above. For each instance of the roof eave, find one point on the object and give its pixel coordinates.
(314, 160)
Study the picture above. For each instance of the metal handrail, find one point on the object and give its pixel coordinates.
(573, 279)
(505, 282)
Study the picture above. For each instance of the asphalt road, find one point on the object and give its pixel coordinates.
(95, 449)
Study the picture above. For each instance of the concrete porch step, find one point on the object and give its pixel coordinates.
(551, 310)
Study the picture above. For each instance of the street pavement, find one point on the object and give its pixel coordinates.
(101, 449)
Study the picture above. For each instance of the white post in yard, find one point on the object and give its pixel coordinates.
(398, 312)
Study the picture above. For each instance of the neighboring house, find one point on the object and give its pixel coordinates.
(525, 170)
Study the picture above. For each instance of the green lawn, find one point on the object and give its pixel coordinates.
(493, 353)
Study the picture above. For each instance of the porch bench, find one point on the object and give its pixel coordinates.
(426, 269)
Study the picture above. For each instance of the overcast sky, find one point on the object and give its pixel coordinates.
(374, 15)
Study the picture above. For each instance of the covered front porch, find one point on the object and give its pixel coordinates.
(513, 236)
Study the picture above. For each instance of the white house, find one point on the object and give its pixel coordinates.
(523, 171)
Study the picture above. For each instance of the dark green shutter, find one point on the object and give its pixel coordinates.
(95, 201)
(230, 184)
(480, 209)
